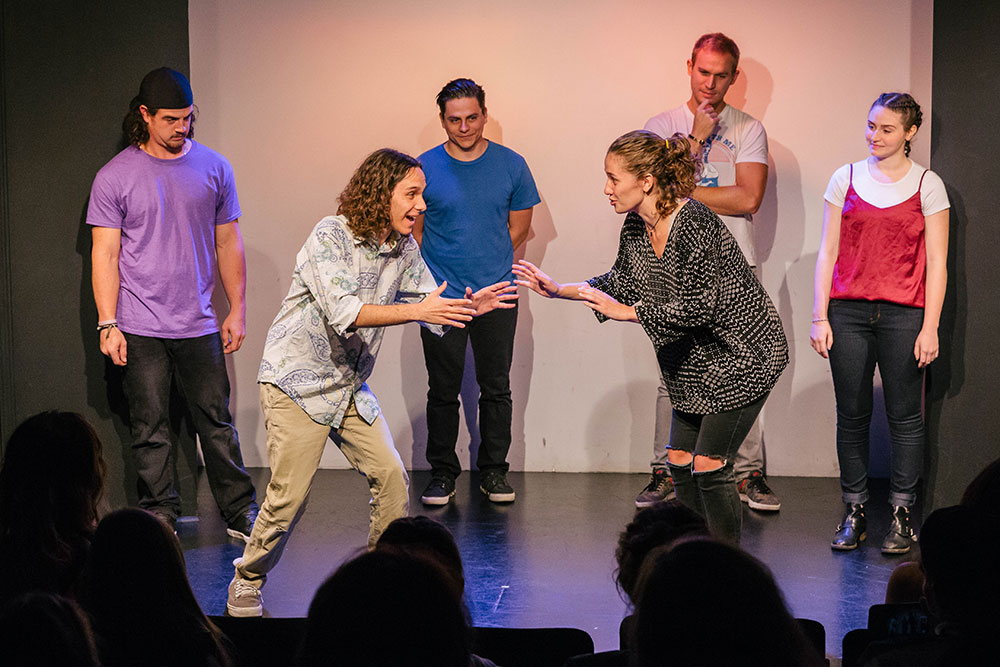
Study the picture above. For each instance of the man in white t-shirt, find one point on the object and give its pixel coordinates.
(733, 150)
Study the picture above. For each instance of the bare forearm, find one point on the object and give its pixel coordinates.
(570, 291)
(233, 272)
(518, 238)
(934, 290)
(728, 199)
(372, 315)
(822, 283)
(519, 224)
(106, 283)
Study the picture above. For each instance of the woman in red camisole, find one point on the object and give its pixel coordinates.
(879, 287)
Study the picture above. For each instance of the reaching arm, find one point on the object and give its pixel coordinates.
(538, 281)
(519, 223)
(107, 243)
(233, 272)
(739, 199)
(820, 334)
(433, 309)
(925, 350)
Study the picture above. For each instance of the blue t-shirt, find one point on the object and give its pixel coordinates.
(466, 239)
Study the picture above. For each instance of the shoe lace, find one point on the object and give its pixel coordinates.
(762, 485)
(244, 589)
(658, 480)
(757, 481)
(494, 479)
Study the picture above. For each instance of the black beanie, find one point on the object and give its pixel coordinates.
(165, 88)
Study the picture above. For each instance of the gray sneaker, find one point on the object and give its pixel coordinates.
(755, 492)
(660, 487)
(244, 599)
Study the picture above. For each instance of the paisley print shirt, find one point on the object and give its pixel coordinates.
(313, 352)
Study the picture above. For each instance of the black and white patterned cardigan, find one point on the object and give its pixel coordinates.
(717, 336)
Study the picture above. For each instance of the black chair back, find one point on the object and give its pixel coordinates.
(530, 647)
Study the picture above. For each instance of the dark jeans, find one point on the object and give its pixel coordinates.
(492, 337)
(866, 333)
(713, 493)
(200, 369)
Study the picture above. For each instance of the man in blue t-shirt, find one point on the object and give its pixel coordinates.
(479, 201)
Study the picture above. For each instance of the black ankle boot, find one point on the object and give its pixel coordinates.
(851, 530)
(900, 537)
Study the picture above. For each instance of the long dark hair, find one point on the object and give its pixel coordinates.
(134, 128)
(137, 593)
(51, 480)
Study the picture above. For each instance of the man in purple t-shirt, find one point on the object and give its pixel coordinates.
(164, 215)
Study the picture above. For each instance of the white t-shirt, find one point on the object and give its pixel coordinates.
(933, 197)
(738, 137)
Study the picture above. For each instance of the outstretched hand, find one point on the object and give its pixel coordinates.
(435, 309)
(606, 305)
(535, 279)
(491, 297)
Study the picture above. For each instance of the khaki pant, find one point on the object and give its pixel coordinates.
(295, 444)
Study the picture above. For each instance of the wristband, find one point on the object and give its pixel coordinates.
(821, 319)
(694, 138)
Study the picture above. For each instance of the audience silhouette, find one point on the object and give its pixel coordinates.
(140, 602)
(51, 480)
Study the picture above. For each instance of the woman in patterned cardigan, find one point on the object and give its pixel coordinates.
(718, 339)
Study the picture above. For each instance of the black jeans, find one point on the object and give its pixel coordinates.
(200, 368)
(492, 337)
(713, 493)
(866, 334)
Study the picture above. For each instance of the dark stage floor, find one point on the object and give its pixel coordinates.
(548, 559)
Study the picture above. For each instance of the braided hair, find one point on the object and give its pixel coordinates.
(906, 107)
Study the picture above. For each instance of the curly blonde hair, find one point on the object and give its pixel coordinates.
(669, 162)
(366, 199)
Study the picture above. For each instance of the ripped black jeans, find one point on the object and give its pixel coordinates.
(713, 493)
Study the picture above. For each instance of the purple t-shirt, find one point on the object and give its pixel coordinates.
(167, 211)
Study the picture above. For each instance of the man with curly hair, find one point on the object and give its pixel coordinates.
(733, 150)
(480, 196)
(165, 219)
(358, 272)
